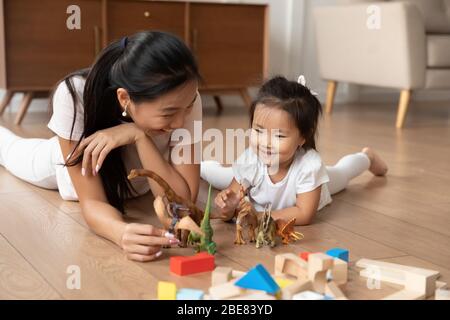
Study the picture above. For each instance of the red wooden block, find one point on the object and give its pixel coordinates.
(201, 262)
(305, 255)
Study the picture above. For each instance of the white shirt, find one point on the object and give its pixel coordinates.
(306, 173)
(61, 124)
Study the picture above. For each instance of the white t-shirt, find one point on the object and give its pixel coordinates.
(61, 124)
(306, 173)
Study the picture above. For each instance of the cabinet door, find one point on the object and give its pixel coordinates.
(229, 43)
(128, 17)
(40, 49)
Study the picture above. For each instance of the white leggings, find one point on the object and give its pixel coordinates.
(347, 168)
(35, 161)
(32, 160)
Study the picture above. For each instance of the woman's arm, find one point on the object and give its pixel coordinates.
(140, 242)
(304, 210)
(184, 179)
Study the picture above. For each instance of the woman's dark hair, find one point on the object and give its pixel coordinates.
(297, 100)
(147, 64)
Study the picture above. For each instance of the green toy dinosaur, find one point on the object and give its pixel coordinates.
(204, 243)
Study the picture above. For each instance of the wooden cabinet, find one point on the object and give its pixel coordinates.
(37, 49)
(229, 47)
(40, 49)
(127, 17)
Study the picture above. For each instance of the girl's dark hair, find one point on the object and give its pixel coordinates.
(147, 64)
(297, 100)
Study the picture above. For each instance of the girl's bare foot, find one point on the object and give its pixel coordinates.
(377, 166)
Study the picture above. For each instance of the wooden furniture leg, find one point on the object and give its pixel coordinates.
(246, 97)
(331, 92)
(6, 100)
(28, 96)
(219, 104)
(405, 96)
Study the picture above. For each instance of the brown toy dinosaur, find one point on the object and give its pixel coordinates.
(177, 205)
(246, 218)
(285, 230)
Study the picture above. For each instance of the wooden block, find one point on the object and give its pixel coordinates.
(396, 269)
(237, 273)
(288, 292)
(332, 290)
(441, 285)
(167, 290)
(338, 253)
(282, 282)
(189, 294)
(417, 282)
(201, 262)
(308, 295)
(225, 291)
(290, 264)
(405, 295)
(339, 273)
(425, 285)
(442, 294)
(255, 296)
(318, 265)
(220, 275)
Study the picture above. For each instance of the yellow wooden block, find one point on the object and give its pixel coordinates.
(283, 283)
(167, 290)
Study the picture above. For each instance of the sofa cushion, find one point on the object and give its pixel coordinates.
(438, 51)
(437, 79)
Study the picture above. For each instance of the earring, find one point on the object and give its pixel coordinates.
(124, 113)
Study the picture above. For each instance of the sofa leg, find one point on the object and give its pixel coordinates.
(405, 97)
(331, 92)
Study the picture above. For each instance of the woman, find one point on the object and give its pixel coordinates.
(117, 115)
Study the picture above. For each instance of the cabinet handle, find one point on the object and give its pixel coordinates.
(146, 14)
(96, 40)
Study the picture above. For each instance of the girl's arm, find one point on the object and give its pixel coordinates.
(304, 210)
(227, 201)
(140, 242)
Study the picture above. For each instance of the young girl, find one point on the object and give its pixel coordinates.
(282, 165)
(117, 115)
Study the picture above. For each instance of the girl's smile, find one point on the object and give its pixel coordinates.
(274, 137)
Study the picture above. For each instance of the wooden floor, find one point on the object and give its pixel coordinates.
(404, 218)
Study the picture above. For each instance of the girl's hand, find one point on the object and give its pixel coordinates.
(143, 242)
(97, 146)
(227, 201)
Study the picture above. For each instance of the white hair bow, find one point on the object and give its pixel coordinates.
(302, 81)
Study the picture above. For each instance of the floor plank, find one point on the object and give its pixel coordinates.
(18, 279)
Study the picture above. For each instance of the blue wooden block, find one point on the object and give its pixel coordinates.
(338, 253)
(258, 279)
(189, 294)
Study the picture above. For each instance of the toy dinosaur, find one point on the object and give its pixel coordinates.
(267, 229)
(285, 230)
(246, 218)
(170, 218)
(204, 242)
(182, 207)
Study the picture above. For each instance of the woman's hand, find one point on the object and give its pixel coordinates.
(227, 201)
(143, 242)
(96, 147)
